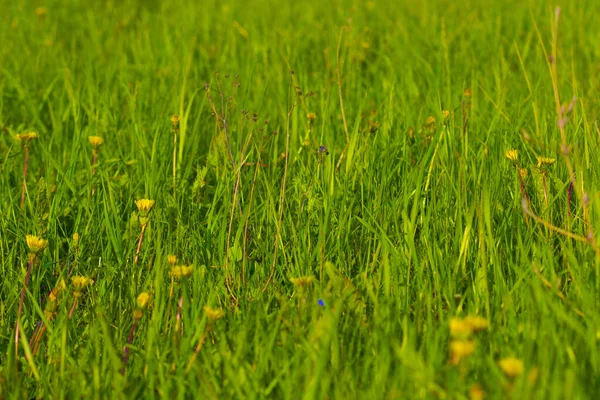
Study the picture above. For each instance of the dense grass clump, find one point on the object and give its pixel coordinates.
(347, 199)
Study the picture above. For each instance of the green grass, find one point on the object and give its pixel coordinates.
(407, 225)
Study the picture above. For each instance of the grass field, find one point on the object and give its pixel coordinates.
(350, 199)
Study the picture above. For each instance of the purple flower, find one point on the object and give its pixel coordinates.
(321, 303)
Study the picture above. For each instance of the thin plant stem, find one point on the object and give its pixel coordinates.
(21, 300)
(126, 349)
(139, 246)
(24, 186)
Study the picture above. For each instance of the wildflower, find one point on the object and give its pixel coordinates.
(446, 114)
(26, 137)
(172, 259)
(144, 206)
(523, 173)
(460, 349)
(543, 162)
(311, 116)
(213, 314)
(468, 92)
(321, 303)
(175, 120)
(35, 244)
(511, 366)
(302, 280)
(177, 271)
(460, 328)
(95, 141)
(142, 300)
(430, 122)
(79, 284)
(374, 126)
(76, 237)
(512, 155)
(477, 323)
(476, 392)
(323, 150)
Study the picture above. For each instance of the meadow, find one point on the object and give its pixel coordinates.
(299, 200)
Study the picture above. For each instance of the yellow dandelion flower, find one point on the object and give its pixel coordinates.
(81, 282)
(142, 300)
(213, 314)
(543, 162)
(477, 323)
(26, 137)
(175, 120)
(476, 392)
(311, 116)
(511, 366)
(144, 205)
(459, 327)
(523, 172)
(35, 244)
(177, 271)
(76, 237)
(302, 280)
(446, 114)
(172, 259)
(512, 155)
(95, 141)
(460, 349)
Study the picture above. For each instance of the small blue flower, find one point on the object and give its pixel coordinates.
(321, 303)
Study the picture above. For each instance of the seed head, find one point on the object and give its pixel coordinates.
(35, 244)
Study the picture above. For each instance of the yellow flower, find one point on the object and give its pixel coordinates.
(172, 259)
(81, 282)
(178, 271)
(95, 141)
(175, 120)
(523, 172)
(144, 205)
(512, 155)
(476, 392)
(311, 116)
(430, 122)
(468, 92)
(460, 328)
(26, 137)
(511, 366)
(76, 237)
(213, 314)
(446, 114)
(302, 280)
(142, 300)
(543, 162)
(460, 349)
(35, 243)
(477, 323)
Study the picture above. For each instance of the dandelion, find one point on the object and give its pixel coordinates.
(460, 349)
(141, 303)
(144, 207)
(178, 271)
(95, 141)
(26, 137)
(512, 155)
(477, 323)
(302, 281)
(36, 245)
(543, 162)
(172, 259)
(80, 283)
(460, 328)
(446, 114)
(511, 367)
(142, 300)
(311, 116)
(213, 314)
(476, 392)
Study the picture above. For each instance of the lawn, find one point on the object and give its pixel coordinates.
(300, 200)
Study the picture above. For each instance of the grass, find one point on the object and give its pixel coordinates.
(338, 179)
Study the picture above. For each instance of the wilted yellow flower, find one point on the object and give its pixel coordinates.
(459, 327)
(35, 244)
(512, 155)
(477, 323)
(178, 271)
(172, 259)
(27, 136)
(95, 141)
(302, 280)
(543, 162)
(311, 116)
(511, 366)
(144, 205)
(460, 349)
(213, 314)
(476, 392)
(142, 300)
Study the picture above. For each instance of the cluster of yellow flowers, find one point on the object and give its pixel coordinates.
(177, 271)
(53, 297)
(80, 283)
